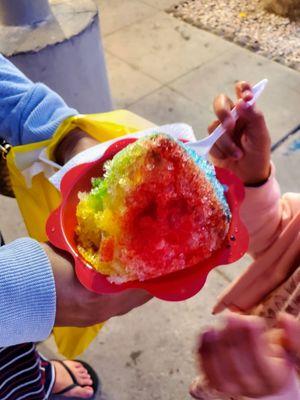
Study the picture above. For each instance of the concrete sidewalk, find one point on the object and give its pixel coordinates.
(168, 71)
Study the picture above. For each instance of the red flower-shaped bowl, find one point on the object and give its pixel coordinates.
(173, 287)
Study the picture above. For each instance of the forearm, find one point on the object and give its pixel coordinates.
(29, 112)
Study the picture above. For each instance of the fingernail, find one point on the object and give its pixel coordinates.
(245, 105)
(218, 308)
(248, 93)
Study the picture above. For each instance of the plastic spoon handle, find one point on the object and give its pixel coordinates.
(202, 147)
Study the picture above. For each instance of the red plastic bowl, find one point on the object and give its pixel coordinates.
(175, 286)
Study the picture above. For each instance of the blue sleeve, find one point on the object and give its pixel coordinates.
(29, 112)
(27, 293)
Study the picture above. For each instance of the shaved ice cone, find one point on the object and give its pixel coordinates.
(157, 209)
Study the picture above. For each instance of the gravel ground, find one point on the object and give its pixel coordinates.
(247, 24)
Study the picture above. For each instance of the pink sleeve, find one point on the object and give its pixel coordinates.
(266, 214)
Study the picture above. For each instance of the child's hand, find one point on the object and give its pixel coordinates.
(245, 147)
(241, 360)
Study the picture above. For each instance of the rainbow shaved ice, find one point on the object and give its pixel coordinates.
(157, 209)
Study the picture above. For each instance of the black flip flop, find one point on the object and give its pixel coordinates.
(95, 379)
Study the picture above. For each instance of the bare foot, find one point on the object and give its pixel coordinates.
(63, 379)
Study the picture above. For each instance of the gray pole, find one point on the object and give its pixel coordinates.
(65, 51)
(24, 12)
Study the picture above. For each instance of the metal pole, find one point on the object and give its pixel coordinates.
(65, 52)
(24, 12)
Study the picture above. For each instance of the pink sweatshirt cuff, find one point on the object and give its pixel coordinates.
(258, 199)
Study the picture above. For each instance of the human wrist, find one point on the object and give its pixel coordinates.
(63, 273)
(72, 144)
(259, 179)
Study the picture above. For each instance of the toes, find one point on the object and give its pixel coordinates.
(84, 375)
(83, 370)
(85, 380)
(77, 368)
(84, 393)
(77, 365)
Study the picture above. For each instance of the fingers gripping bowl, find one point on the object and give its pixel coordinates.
(149, 214)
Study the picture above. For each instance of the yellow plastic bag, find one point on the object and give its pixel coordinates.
(37, 198)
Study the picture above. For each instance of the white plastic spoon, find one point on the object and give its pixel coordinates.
(203, 146)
